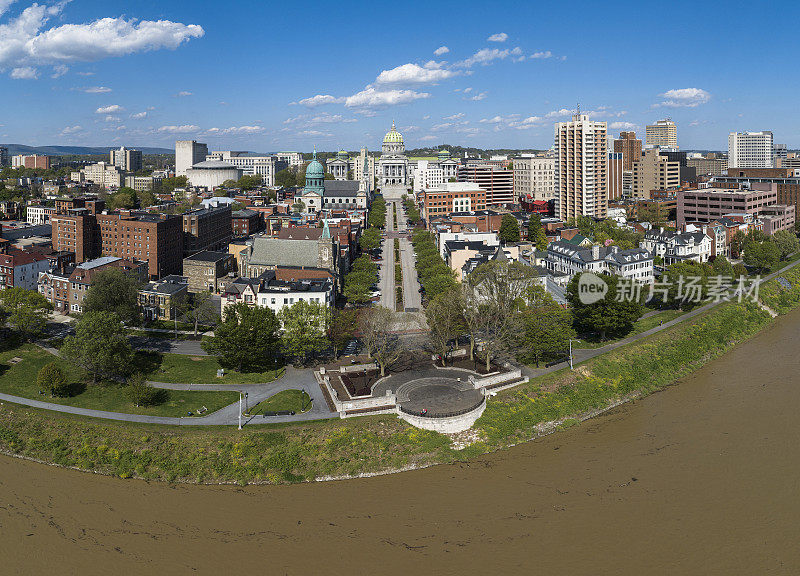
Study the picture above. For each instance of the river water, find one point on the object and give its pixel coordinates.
(701, 478)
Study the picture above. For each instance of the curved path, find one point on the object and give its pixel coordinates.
(297, 379)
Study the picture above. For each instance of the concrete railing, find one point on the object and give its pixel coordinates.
(493, 380)
(358, 367)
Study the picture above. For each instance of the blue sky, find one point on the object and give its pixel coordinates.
(267, 76)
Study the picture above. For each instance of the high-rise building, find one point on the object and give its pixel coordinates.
(779, 153)
(616, 162)
(581, 177)
(126, 160)
(291, 158)
(31, 161)
(630, 147)
(750, 150)
(654, 172)
(497, 182)
(663, 134)
(534, 177)
(5, 160)
(187, 154)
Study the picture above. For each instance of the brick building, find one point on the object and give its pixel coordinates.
(204, 270)
(206, 229)
(246, 222)
(498, 183)
(452, 197)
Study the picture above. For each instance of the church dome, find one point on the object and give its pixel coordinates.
(315, 169)
(393, 136)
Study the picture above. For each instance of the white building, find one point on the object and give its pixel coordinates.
(187, 154)
(489, 239)
(662, 134)
(268, 292)
(429, 173)
(636, 264)
(103, 174)
(212, 173)
(291, 158)
(126, 160)
(36, 214)
(677, 247)
(581, 178)
(750, 150)
(393, 164)
(250, 164)
(534, 177)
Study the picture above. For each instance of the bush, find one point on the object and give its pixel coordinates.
(143, 394)
(51, 378)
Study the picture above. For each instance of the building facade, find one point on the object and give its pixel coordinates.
(207, 228)
(630, 147)
(393, 164)
(31, 161)
(126, 160)
(452, 197)
(534, 178)
(187, 154)
(654, 172)
(750, 150)
(205, 270)
(103, 174)
(709, 204)
(662, 134)
(581, 164)
(496, 181)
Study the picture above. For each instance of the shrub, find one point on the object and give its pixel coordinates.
(51, 378)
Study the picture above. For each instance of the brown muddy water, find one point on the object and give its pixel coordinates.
(699, 479)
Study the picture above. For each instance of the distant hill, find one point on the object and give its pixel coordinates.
(14, 149)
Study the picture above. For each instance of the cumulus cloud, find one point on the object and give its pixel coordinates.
(71, 130)
(96, 90)
(458, 116)
(26, 40)
(372, 97)
(24, 73)
(684, 98)
(500, 37)
(109, 109)
(320, 100)
(415, 74)
(179, 129)
(139, 115)
(526, 123)
(111, 118)
(441, 50)
(477, 97)
(495, 120)
(486, 56)
(235, 130)
(622, 125)
(540, 55)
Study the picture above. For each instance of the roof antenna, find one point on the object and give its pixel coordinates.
(579, 108)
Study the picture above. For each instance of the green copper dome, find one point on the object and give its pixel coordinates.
(393, 136)
(315, 169)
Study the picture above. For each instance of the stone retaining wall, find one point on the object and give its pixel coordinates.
(449, 425)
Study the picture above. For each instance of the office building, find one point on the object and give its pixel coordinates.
(450, 197)
(291, 158)
(616, 162)
(630, 147)
(102, 174)
(581, 177)
(5, 159)
(750, 150)
(534, 178)
(708, 204)
(126, 160)
(187, 154)
(31, 161)
(497, 182)
(654, 172)
(207, 228)
(708, 166)
(251, 164)
(663, 134)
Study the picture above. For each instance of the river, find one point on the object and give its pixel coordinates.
(701, 478)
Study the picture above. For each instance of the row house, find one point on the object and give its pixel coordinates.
(678, 246)
(566, 258)
(269, 291)
(161, 300)
(19, 268)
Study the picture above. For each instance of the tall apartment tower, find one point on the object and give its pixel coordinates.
(630, 147)
(750, 150)
(5, 160)
(616, 173)
(126, 159)
(663, 133)
(581, 177)
(187, 154)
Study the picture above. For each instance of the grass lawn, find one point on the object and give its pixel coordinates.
(179, 368)
(20, 380)
(293, 400)
(641, 325)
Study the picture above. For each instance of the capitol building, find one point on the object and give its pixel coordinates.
(393, 169)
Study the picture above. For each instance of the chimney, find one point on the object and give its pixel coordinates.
(595, 252)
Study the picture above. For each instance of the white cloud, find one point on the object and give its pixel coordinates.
(109, 109)
(26, 41)
(684, 97)
(495, 120)
(183, 93)
(539, 55)
(24, 73)
(500, 37)
(85, 73)
(4, 4)
(428, 138)
(458, 116)
(441, 50)
(71, 130)
(59, 71)
(97, 90)
(415, 74)
(371, 97)
(486, 56)
(111, 118)
(234, 130)
(526, 123)
(179, 129)
(139, 115)
(315, 133)
(622, 125)
(559, 113)
(477, 97)
(320, 100)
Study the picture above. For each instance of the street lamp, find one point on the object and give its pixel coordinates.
(570, 352)
(240, 410)
(246, 409)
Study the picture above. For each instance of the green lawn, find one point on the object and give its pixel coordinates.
(20, 380)
(294, 400)
(180, 368)
(641, 325)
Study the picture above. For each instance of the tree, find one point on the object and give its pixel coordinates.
(786, 242)
(381, 344)
(146, 198)
(141, 393)
(536, 233)
(370, 239)
(445, 321)
(686, 283)
(124, 198)
(27, 311)
(52, 379)
(547, 327)
(170, 184)
(606, 317)
(737, 243)
(298, 207)
(249, 182)
(100, 346)
(722, 267)
(117, 291)
(285, 178)
(342, 328)
(198, 309)
(304, 329)
(509, 229)
(495, 298)
(247, 338)
(763, 256)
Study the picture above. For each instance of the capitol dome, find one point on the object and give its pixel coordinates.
(393, 136)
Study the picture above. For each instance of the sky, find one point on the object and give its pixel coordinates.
(266, 76)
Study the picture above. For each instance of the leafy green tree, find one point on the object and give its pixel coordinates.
(114, 290)
(606, 317)
(737, 243)
(547, 327)
(145, 198)
(763, 256)
(686, 284)
(285, 178)
(509, 229)
(445, 321)
(536, 234)
(52, 379)
(377, 213)
(27, 311)
(304, 330)
(247, 338)
(342, 328)
(786, 242)
(370, 239)
(383, 345)
(199, 309)
(100, 346)
(124, 198)
(249, 182)
(170, 184)
(722, 267)
(141, 393)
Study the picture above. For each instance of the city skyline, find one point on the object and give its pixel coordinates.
(86, 74)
